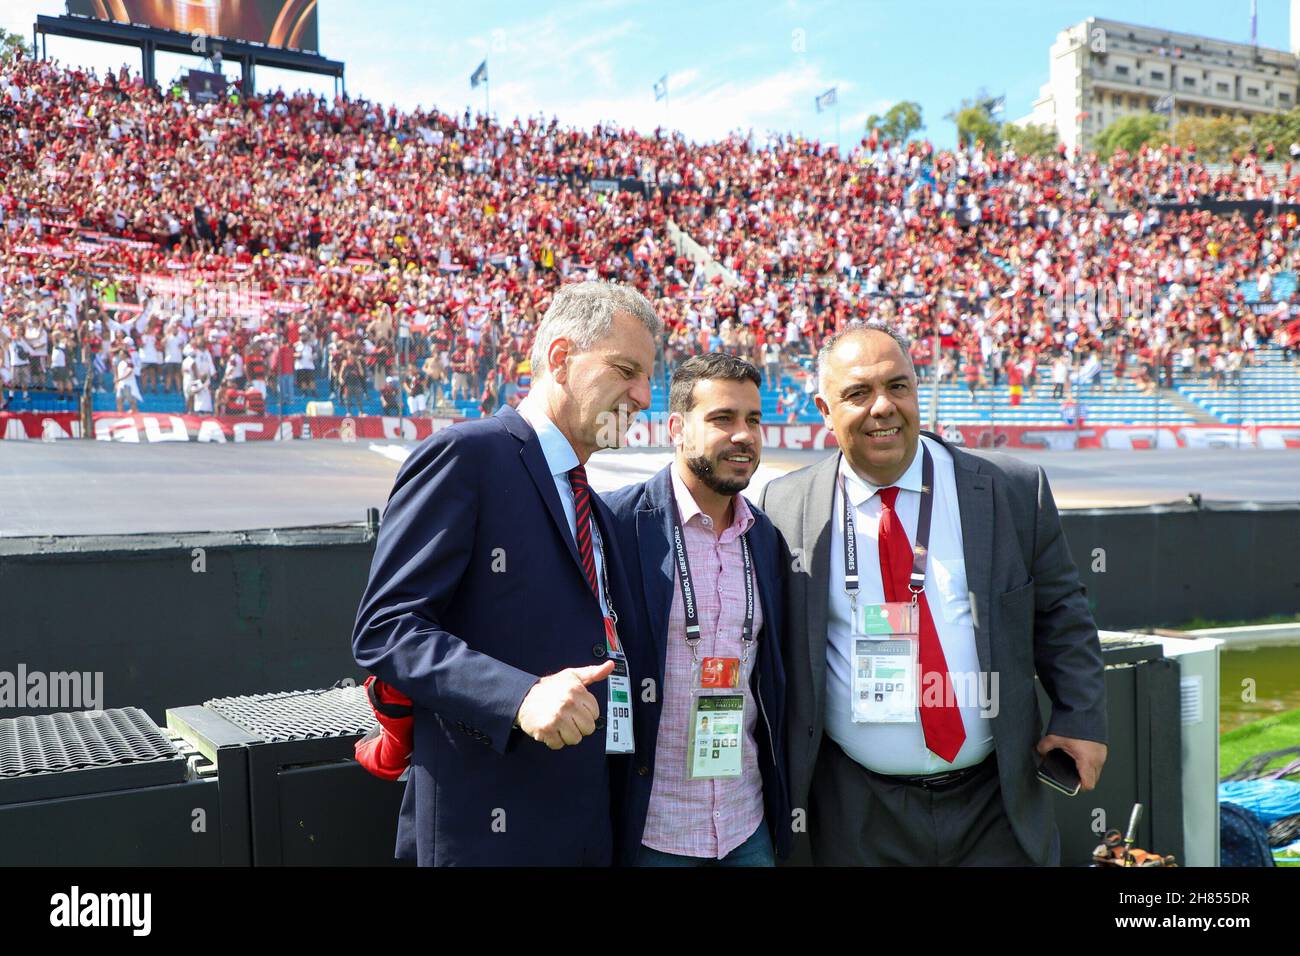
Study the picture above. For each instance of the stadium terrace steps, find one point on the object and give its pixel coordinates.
(1198, 412)
(1273, 168)
(1269, 393)
(989, 406)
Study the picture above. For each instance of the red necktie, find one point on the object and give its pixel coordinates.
(941, 720)
(582, 512)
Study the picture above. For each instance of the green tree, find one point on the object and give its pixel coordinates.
(973, 119)
(974, 123)
(1130, 133)
(1280, 129)
(899, 122)
(11, 44)
(1030, 139)
(1215, 138)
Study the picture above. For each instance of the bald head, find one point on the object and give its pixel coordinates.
(867, 397)
(853, 331)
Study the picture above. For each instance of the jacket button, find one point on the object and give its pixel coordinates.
(600, 723)
(643, 771)
(810, 731)
(598, 650)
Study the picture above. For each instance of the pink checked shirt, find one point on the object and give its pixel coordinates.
(706, 818)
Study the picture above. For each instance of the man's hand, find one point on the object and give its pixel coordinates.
(559, 709)
(1088, 756)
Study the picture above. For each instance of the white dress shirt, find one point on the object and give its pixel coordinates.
(900, 748)
(560, 458)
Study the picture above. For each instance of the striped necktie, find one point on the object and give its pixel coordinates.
(582, 509)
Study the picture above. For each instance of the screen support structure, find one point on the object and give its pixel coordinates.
(150, 40)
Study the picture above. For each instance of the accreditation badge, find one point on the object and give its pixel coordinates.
(618, 710)
(886, 663)
(715, 744)
(717, 722)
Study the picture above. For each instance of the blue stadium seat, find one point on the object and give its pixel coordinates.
(1269, 393)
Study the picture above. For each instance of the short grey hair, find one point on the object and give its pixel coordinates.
(856, 327)
(583, 313)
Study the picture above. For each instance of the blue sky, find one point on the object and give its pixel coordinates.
(730, 64)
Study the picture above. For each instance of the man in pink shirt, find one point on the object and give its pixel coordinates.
(707, 782)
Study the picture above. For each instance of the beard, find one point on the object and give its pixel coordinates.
(701, 467)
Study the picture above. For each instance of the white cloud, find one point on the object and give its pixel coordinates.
(17, 16)
(602, 68)
(682, 80)
(585, 63)
(707, 111)
(557, 65)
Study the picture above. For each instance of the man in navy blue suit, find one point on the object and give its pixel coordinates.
(707, 783)
(492, 602)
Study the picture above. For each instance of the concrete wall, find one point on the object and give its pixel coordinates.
(270, 611)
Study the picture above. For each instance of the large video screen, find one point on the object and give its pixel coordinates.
(281, 23)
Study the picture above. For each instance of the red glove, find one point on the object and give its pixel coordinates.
(386, 750)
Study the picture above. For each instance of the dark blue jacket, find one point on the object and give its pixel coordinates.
(643, 523)
(476, 591)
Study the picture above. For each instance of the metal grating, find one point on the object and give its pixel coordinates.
(299, 715)
(53, 743)
(1119, 650)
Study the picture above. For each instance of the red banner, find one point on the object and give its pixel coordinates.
(110, 426)
(1050, 437)
(207, 428)
(39, 425)
(1127, 437)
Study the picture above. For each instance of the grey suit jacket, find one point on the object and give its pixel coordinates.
(1030, 615)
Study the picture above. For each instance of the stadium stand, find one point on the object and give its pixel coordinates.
(379, 260)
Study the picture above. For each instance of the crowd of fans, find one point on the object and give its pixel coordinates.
(361, 251)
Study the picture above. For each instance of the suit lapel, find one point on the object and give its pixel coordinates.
(654, 531)
(618, 582)
(535, 463)
(975, 502)
(760, 543)
(658, 577)
(818, 505)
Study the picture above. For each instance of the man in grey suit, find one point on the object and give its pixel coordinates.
(949, 777)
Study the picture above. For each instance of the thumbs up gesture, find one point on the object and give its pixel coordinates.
(559, 709)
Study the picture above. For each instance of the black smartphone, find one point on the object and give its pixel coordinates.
(1059, 772)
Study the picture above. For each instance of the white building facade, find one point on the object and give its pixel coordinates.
(1101, 70)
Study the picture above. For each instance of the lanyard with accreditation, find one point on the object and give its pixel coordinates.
(618, 720)
(717, 717)
(886, 637)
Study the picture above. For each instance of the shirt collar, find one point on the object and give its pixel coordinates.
(559, 454)
(687, 508)
(860, 490)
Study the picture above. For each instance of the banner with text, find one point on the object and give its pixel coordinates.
(109, 426)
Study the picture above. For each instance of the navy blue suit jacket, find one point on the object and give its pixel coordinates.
(644, 525)
(475, 592)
